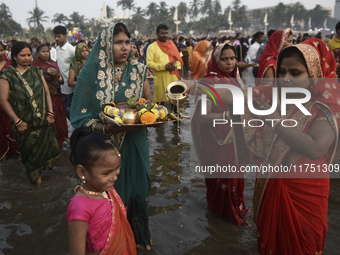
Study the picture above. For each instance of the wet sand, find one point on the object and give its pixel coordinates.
(33, 219)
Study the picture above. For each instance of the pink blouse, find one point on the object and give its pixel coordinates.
(98, 214)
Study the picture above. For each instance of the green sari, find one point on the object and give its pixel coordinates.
(38, 146)
(95, 87)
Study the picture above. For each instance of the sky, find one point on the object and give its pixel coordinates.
(92, 8)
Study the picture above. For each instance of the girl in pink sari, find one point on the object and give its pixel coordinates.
(96, 215)
(214, 144)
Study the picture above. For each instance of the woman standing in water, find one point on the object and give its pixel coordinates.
(224, 195)
(53, 79)
(26, 99)
(111, 74)
(8, 145)
(290, 209)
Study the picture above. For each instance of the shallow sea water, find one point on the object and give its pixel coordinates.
(33, 219)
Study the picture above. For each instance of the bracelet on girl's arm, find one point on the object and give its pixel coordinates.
(19, 122)
(276, 124)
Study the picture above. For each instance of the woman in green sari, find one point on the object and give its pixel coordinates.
(80, 56)
(110, 74)
(26, 99)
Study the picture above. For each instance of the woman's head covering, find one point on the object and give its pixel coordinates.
(96, 83)
(213, 63)
(77, 64)
(321, 67)
(196, 65)
(79, 48)
(268, 58)
(140, 58)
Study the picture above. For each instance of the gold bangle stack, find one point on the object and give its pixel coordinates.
(19, 122)
(99, 127)
(51, 114)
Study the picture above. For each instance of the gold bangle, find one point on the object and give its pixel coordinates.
(19, 123)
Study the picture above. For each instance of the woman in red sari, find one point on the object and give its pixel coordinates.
(279, 40)
(213, 144)
(54, 80)
(290, 207)
(8, 145)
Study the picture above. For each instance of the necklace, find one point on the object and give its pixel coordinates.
(93, 193)
(119, 72)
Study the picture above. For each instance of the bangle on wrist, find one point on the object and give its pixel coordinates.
(19, 122)
(49, 113)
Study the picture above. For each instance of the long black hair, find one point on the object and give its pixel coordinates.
(17, 47)
(88, 146)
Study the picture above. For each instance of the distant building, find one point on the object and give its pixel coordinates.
(337, 10)
(256, 16)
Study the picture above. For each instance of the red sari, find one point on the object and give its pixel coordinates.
(290, 209)
(121, 239)
(224, 194)
(8, 145)
(269, 56)
(57, 102)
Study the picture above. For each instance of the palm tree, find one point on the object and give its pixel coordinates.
(6, 21)
(182, 10)
(138, 18)
(129, 5)
(77, 20)
(59, 18)
(163, 10)
(95, 27)
(206, 7)
(37, 17)
(152, 10)
(109, 11)
(194, 9)
(123, 4)
(277, 17)
(217, 8)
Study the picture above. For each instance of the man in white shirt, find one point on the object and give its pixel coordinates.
(65, 54)
(53, 52)
(259, 39)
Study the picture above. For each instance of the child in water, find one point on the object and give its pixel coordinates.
(96, 215)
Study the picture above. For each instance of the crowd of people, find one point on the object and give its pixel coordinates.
(45, 89)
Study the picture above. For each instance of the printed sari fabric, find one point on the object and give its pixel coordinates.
(290, 209)
(213, 146)
(269, 56)
(38, 145)
(77, 64)
(8, 145)
(96, 86)
(121, 239)
(54, 87)
(196, 64)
